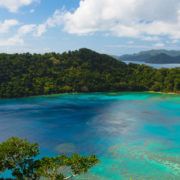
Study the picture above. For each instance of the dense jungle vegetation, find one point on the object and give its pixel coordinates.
(84, 70)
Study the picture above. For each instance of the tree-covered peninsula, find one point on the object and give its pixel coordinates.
(159, 56)
(84, 70)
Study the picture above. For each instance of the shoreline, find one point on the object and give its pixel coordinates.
(158, 92)
(74, 93)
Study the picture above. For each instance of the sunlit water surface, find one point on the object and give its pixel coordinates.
(135, 135)
(157, 66)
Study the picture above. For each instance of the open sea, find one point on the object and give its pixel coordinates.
(136, 136)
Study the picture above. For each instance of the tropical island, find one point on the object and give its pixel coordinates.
(89, 90)
(83, 70)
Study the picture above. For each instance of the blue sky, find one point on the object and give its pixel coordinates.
(107, 26)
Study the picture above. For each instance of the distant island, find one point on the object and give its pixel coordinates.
(154, 57)
(83, 70)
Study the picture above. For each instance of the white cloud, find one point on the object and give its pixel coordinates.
(151, 38)
(125, 18)
(139, 47)
(18, 38)
(25, 29)
(143, 19)
(56, 20)
(130, 42)
(7, 24)
(12, 41)
(14, 5)
(159, 45)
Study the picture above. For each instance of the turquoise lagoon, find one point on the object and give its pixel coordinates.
(135, 135)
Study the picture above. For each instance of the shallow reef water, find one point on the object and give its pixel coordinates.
(135, 135)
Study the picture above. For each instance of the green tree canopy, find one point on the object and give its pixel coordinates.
(21, 158)
(79, 71)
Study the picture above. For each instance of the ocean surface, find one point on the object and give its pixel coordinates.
(158, 66)
(136, 136)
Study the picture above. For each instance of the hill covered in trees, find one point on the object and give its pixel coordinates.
(79, 71)
(154, 57)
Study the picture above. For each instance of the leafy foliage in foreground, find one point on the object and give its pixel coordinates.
(20, 156)
(79, 71)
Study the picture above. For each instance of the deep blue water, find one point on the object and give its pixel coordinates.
(135, 135)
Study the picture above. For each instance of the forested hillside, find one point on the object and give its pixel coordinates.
(154, 57)
(79, 71)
